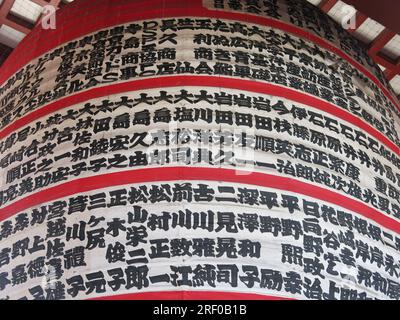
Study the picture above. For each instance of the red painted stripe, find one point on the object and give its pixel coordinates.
(202, 81)
(196, 174)
(191, 295)
(153, 9)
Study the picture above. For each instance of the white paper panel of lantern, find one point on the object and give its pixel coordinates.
(368, 30)
(392, 48)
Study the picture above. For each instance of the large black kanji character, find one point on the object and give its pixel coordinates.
(286, 167)
(293, 282)
(128, 73)
(292, 254)
(251, 276)
(77, 204)
(377, 256)
(360, 225)
(115, 252)
(228, 273)
(313, 266)
(182, 192)
(311, 225)
(118, 279)
(20, 247)
(249, 248)
(320, 158)
(95, 238)
(184, 272)
(55, 248)
(101, 125)
(271, 279)
(203, 53)
(224, 117)
(74, 257)
(56, 228)
(270, 199)
(139, 215)
(184, 114)
(226, 246)
(270, 225)
(180, 247)
(19, 275)
(379, 283)
(226, 220)
(136, 235)
(312, 244)
(393, 290)
(159, 221)
(35, 268)
(117, 198)
(21, 222)
(203, 193)
(282, 126)
(137, 277)
(248, 221)
(331, 259)
(5, 256)
(291, 228)
(38, 215)
(94, 221)
(82, 137)
(162, 115)
(202, 68)
(95, 282)
(350, 152)
(76, 284)
(37, 293)
(331, 240)
(138, 159)
(159, 249)
(312, 289)
(141, 117)
(303, 153)
(347, 257)
(353, 172)
(115, 226)
(248, 196)
(244, 119)
(391, 267)
(203, 247)
(57, 209)
(364, 277)
(77, 231)
(99, 146)
(138, 256)
(318, 138)
(204, 275)
(119, 142)
(362, 250)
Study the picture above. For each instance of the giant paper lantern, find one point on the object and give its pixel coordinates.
(197, 149)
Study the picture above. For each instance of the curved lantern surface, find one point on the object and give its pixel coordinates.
(197, 149)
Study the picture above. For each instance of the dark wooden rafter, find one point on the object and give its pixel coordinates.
(391, 73)
(380, 41)
(327, 5)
